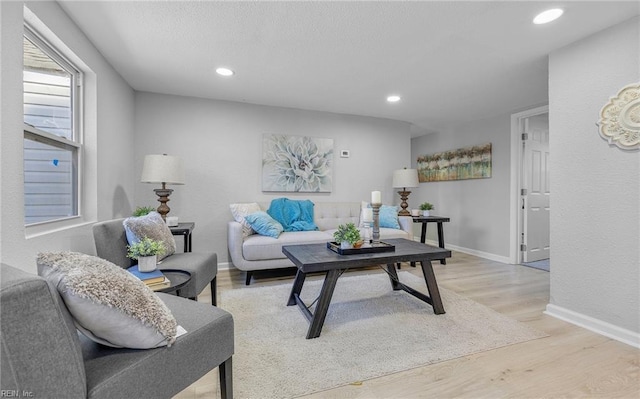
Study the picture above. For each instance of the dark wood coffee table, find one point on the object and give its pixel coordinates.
(313, 258)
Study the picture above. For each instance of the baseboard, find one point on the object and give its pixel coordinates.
(224, 266)
(598, 326)
(474, 252)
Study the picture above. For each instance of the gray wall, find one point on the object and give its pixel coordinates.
(221, 144)
(595, 218)
(109, 109)
(478, 208)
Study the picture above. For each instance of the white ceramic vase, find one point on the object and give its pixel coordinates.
(147, 263)
(425, 213)
(345, 245)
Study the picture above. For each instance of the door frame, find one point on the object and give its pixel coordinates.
(516, 221)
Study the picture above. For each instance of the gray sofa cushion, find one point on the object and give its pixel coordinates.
(208, 342)
(203, 267)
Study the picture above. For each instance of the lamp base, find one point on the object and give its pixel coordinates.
(404, 196)
(163, 197)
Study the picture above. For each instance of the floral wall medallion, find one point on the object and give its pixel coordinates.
(620, 118)
(296, 164)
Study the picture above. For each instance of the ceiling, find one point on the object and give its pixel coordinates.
(450, 61)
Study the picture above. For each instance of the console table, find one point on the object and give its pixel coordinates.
(185, 230)
(432, 219)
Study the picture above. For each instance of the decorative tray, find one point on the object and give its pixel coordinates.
(364, 249)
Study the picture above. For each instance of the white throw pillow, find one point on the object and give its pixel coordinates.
(240, 211)
(108, 304)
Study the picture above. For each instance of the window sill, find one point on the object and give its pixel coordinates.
(44, 228)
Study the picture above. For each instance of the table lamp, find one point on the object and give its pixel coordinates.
(165, 169)
(404, 178)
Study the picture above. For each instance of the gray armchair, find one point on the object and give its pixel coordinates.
(43, 355)
(111, 244)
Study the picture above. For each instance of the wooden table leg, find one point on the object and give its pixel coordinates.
(393, 276)
(323, 303)
(432, 286)
(297, 287)
(443, 261)
(423, 233)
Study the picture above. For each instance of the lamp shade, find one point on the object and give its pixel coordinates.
(162, 168)
(403, 178)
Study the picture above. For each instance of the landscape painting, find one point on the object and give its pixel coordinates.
(296, 164)
(464, 163)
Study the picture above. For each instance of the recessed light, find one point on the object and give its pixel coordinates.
(393, 99)
(548, 16)
(224, 71)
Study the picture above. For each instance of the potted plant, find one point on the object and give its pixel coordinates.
(143, 210)
(348, 236)
(426, 207)
(146, 251)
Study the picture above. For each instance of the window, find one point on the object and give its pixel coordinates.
(52, 134)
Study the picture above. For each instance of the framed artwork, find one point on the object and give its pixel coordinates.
(463, 163)
(296, 164)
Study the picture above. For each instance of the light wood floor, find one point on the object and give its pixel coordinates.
(571, 362)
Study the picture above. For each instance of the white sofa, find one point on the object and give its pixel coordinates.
(257, 252)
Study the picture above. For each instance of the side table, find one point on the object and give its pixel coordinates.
(178, 279)
(185, 230)
(432, 219)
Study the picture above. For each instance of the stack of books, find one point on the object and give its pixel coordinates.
(154, 280)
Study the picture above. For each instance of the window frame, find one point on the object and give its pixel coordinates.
(75, 145)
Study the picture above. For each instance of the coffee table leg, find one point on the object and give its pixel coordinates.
(323, 303)
(432, 286)
(393, 276)
(297, 287)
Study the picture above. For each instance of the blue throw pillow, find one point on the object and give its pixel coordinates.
(389, 217)
(264, 224)
(293, 215)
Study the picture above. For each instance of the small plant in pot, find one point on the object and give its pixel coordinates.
(426, 208)
(143, 210)
(348, 236)
(146, 251)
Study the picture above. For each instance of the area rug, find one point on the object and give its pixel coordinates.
(370, 331)
(543, 264)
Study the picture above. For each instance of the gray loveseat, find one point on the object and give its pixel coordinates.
(43, 355)
(257, 252)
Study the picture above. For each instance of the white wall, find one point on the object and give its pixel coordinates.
(221, 144)
(478, 208)
(595, 218)
(109, 107)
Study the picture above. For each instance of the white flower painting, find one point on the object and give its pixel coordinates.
(296, 164)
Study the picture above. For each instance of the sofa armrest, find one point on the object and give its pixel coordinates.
(406, 224)
(234, 243)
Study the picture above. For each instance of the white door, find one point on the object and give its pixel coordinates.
(535, 184)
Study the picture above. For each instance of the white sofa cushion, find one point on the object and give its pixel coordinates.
(385, 233)
(257, 247)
